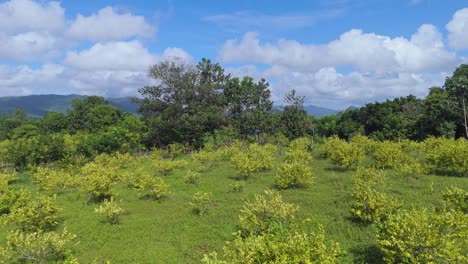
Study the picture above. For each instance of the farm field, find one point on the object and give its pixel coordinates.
(168, 231)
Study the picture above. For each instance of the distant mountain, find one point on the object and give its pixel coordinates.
(316, 111)
(38, 105)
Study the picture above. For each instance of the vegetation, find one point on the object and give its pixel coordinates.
(383, 183)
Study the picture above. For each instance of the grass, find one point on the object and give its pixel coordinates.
(166, 231)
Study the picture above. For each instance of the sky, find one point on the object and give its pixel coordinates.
(336, 53)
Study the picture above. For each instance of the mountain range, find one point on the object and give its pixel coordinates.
(38, 105)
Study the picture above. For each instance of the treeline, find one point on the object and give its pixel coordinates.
(194, 104)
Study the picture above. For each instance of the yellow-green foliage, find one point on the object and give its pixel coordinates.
(302, 143)
(293, 175)
(266, 213)
(200, 202)
(32, 213)
(270, 248)
(252, 158)
(164, 166)
(204, 158)
(447, 155)
(116, 161)
(151, 186)
(110, 211)
(342, 153)
(53, 180)
(38, 247)
(411, 167)
(424, 236)
(456, 198)
(297, 155)
(388, 155)
(7, 178)
(192, 177)
(96, 182)
(371, 204)
(363, 142)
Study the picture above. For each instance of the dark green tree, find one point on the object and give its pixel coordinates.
(248, 105)
(186, 103)
(294, 119)
(457, 88)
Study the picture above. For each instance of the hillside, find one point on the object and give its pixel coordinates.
(38, 105)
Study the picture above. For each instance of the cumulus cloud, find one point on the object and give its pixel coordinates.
(28, 46)
(27, 15)
(108, 24)
(364, 51)
(458, 30)
(24, 80)
(119, 55)
(378, 66)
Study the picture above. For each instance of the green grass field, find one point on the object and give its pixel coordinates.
(166, 231)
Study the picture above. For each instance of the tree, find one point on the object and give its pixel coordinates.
(294, 118)
(185, 105)
(53, 122)
(457, 88)
(248, 104)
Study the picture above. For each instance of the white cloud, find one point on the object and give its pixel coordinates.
(177, 53)
(363, 51)
(29, 46)
(458, 29)
(108, 24)
(379, 67)
(26, 15)
(120, 55)
(23, 80)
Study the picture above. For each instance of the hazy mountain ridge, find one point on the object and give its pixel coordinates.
(38, 105)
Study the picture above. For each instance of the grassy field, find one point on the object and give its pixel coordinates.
(166, 231)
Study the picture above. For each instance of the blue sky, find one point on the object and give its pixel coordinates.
(336, 53)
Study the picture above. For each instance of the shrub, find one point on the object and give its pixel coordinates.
(293, 175)
(422, 236)
(38, 247)
(200, 202)
(96, 181)
(457, 198)
(31, 214)
(342, 153)
(164, 167)
(192, 177)
(266, 213)
(371, 204)
(444, 155)
(270, 248)
(150, 186)
(52, 180)
(388, 155)
(110, 211)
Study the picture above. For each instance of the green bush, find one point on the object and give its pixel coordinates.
(200, 202)
(388, 155)
(443, 155)
(422, 236)
(32, 213)
(38, 247)
(270, 248)
(110, 211)
(341, 153)
(457, 198)
(150, 186)
(293, 175)
(371, 204)
(192, 177)
(265, 214)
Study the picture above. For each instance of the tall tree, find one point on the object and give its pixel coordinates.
(294, 118)
(185, 104)
(457, 88)
(248, 104)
